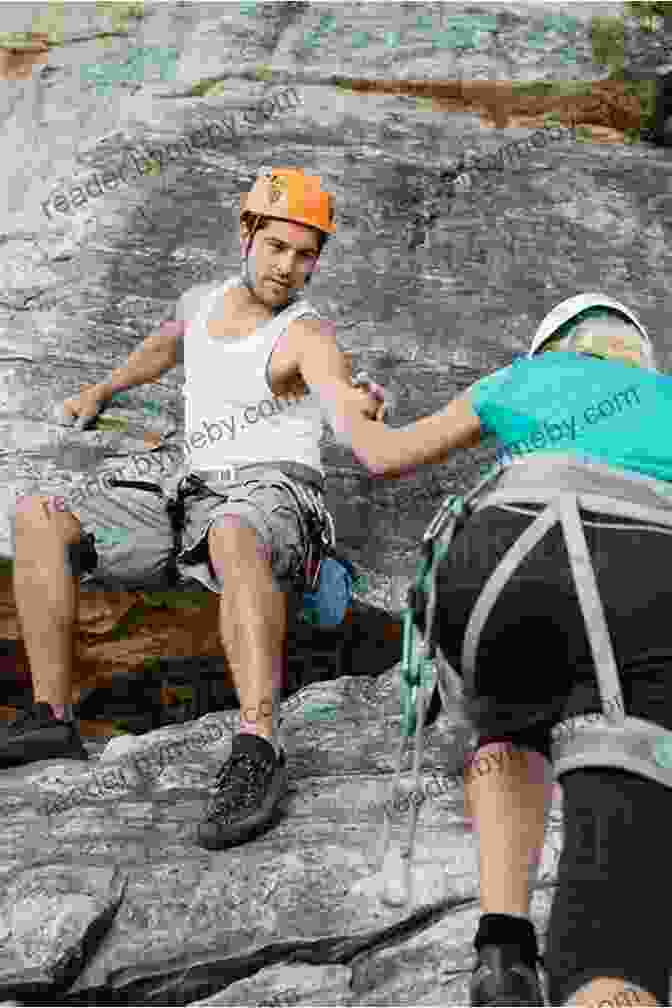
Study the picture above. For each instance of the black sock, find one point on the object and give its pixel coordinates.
(503, 929)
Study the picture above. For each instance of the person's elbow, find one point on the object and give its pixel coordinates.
(375, 460)
(368, 454)
(375, 465)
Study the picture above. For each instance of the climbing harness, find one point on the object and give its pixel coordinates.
(614, 740)
(319, 537)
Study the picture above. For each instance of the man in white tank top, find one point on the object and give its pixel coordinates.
(261, 370)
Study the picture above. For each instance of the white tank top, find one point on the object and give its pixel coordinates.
(231, 415)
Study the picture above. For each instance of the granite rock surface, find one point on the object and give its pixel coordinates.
(105, 898)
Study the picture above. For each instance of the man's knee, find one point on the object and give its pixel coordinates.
(33, 512)
(37, 514)
(230, 536)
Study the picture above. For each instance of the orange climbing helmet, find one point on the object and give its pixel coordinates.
(288, 194)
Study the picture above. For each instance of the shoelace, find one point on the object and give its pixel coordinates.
(238, 783)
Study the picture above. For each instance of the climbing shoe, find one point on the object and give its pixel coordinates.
(501, 978)
(248, 790)
(37, 735)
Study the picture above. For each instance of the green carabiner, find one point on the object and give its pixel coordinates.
(416, 670)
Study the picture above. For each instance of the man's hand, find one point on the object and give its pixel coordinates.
(364, 398)
(375, 396)
(85, 407)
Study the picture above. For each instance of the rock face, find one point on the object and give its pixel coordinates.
(105, 894)
(83, 285)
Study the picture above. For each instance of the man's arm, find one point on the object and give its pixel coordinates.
(327, 371)
(155, 355)
(158, 353)
(389, 452)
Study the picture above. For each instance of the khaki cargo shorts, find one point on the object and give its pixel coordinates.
(132, 536)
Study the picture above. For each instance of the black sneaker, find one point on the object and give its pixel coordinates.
(249, 788)
(37, 735)
(500, 978)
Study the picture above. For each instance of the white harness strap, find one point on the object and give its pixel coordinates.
(593, 610)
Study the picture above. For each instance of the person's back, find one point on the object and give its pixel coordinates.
(570, 404)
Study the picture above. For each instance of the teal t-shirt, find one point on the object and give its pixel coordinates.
(600, 410)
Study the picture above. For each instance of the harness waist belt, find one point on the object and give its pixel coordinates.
(231, 472)
(576, 475)
(597, 503)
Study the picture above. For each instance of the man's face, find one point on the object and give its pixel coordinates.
(283, 252)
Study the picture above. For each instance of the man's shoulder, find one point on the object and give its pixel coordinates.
(309, 327)
(191, 300)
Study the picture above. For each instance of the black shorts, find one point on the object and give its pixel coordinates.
(613, 891)
(534, 650)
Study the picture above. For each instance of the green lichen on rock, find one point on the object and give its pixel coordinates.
(203, 87)
(120, 728)
(215, 90)
(651, 15)
(19, 40)
(583, 134)
(631, 135)
(552, 119)
(174, 599)
(120, 13)
(546, 89)
(645, 92)
(608, 40)
(51, 23)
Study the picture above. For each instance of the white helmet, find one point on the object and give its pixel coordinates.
(573, 306)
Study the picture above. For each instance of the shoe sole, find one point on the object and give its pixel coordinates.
(11, 764)
(241, 836)
(34, 748)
